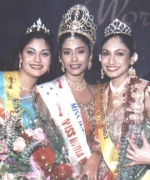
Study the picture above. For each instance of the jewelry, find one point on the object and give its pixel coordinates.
(37, 27)
(117, 92)
(100, 57)
(90, 62)
(102, 73)
(48, 70)
(77, 86)
(24, 89)
(117, 27)
(62, 65)
(20, 64)
(78, 20)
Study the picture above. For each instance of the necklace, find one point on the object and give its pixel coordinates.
(24, 89)
(117, 92)
(77, 86)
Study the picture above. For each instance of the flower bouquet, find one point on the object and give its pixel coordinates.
(32, 153)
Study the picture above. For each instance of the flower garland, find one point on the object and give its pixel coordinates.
(137, 171)
(32, 153)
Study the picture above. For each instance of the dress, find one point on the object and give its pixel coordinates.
(27, 139)
(87, 111)
(126, 119)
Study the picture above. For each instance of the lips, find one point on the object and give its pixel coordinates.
(75, 66)
(36, 67)
(112, 68)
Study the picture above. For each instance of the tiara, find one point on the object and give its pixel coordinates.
(117, 27)
(78, 20)
(38, 27)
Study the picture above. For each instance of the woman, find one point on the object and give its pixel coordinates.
(124, 115)
(72, 98)
(16, 98)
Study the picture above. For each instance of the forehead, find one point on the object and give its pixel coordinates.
(36, 42)
(114, 43)
(73, 42)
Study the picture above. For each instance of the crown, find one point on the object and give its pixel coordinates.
(78, 20)
(117, 27)
(38, 27)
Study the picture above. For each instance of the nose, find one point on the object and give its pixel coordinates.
(37, 58)
(74, 57)
(111, 59)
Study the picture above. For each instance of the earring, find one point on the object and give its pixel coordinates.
(102, 73)
(20, 64)
(131, 71)
(90, 62)
(62, 65)
(100, 57)
(48, 70)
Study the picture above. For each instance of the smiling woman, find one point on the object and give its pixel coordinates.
(17, 112)
(123, 109)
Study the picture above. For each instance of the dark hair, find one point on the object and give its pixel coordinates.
(126, 39)
(80, 36)
(39, 35)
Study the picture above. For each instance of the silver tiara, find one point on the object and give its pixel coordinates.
(38, 26)
(117, 27)
(78, 20)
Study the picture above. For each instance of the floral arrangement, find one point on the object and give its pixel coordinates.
(33, 153)
(137, 171)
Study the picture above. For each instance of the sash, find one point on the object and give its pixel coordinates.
(9, 89)
(67, 117)
(110, 153)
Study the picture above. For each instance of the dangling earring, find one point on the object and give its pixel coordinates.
(131, 71)
(20, 64)
(100, 57)
(102, 73)
(48, 70)
(62, 64)
(90, 62)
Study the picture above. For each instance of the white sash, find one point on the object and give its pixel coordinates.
(66, 114)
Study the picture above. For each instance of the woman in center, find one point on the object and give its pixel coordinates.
(70, 99)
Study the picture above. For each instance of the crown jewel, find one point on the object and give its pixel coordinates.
(117, 27)
(78, 20)
(37, 27)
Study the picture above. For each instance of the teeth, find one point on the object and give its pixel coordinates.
(36, 66)
(112, 68)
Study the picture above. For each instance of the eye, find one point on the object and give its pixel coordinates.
(30, 52)
(82, 51)
(105, 54)
(46, 53)
(120, 54)
(66, 52)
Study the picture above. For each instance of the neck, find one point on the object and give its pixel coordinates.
(27, 83)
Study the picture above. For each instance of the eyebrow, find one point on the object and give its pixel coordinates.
(115, 50)
(75, 48)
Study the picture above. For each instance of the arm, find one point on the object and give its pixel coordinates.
(90, 168)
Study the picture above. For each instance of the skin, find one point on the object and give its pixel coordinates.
(36, 59)
(115, 62)
(75, 57)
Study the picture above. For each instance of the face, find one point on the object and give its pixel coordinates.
(75, 56)
(36, 58)
(115, 58)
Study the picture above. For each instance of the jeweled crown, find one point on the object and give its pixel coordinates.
(78, 20)
(38, 26)
(117, 27)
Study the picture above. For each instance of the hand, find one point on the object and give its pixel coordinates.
(90, 168)
(138, 156)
